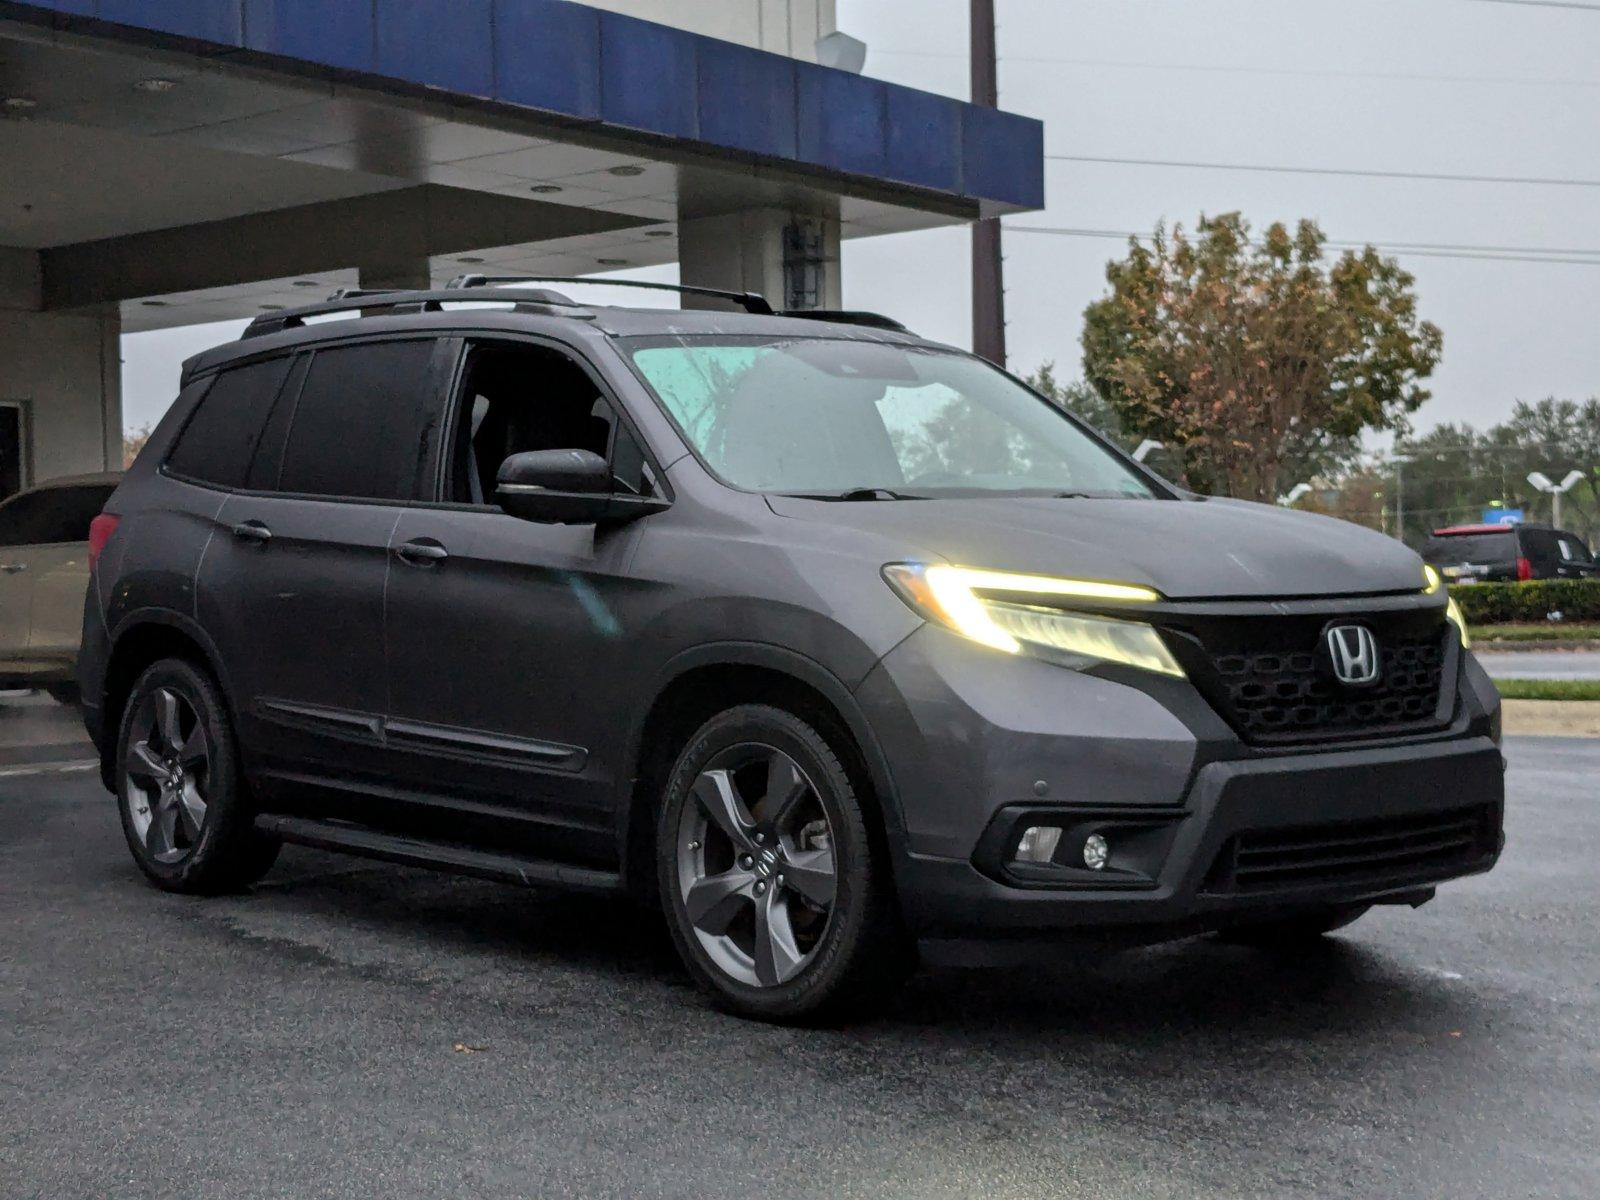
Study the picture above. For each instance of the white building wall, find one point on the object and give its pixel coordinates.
(65, 371)
(789, 27)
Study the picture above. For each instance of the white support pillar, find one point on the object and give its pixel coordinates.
(790, 258)
(61, 372)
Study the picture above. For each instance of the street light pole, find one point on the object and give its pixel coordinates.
(1555, 491)
(988, 278)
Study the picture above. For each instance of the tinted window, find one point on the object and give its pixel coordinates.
(52, 515)
(1573, 550)
(360, 427)
(1472, 548)
(217, 444)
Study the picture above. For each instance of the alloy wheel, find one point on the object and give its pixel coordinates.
(167, 766)
(756, 865)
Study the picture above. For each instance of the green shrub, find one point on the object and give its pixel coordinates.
(1500, 603)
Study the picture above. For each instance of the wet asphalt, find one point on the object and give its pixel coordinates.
(355, 1030)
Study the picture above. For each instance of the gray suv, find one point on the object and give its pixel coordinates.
(831, 642)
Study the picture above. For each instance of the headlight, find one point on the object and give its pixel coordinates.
(1435, 585)
(952, 597)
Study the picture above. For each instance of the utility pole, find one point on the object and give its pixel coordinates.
(1400, 498)
(988, 280)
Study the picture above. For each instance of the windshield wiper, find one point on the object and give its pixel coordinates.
(861, 493)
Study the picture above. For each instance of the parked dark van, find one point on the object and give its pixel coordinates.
(1498, 553)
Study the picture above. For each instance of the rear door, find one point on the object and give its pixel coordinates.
(292, 583)
(61, 577)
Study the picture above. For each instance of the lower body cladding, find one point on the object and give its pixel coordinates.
(1040, 802)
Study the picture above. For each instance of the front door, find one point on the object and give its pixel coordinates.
(504, 636)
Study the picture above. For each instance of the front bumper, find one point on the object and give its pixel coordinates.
(1253, 839)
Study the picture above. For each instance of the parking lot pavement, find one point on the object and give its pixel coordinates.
(35, 729)
(353, 1030)
(1541, 664)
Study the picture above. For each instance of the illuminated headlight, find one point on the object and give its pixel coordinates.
(954, 597)
(1435, 585)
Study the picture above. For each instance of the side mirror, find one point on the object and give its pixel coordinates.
(566, 487)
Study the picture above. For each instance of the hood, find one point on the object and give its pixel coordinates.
(1189, 550)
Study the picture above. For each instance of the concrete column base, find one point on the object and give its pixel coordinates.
(62, 372)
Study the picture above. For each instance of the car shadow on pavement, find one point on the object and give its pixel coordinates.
(1336, 987)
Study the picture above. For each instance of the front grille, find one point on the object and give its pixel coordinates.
(1356, 851)
(1269, 675)
(1278, 694)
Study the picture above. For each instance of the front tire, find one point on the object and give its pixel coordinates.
(777, 898)
(184, 810)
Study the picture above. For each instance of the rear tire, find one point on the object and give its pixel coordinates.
(1299, 930)
(185, 811)
(778, 898)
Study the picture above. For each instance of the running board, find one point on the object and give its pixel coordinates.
(439, 856)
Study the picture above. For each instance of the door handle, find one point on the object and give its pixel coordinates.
(13, 568)
(422, 553)
(252, 531)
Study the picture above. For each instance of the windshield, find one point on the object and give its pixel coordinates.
(835, 418)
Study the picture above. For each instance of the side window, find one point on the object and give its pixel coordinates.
(360, 426)
(219, 441)
(516, 398)
(1574, 551)
(52, 515)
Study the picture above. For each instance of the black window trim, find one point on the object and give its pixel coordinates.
(466, 340)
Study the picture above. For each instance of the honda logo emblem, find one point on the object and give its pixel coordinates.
(1353, 652)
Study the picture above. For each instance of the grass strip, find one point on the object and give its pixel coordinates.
(1549, 689)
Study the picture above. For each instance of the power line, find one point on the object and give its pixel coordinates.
(1341, 171)
(1546, 4)
(1277, 72)
(1529, 254)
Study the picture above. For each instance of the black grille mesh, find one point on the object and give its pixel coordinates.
(1331, 854)
(1279, 694)
(1270, 677)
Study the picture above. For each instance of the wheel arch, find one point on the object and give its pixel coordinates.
(699, 683)
(141, 638)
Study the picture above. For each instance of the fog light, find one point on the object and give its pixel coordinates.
(1038, 844)
(1095, 852)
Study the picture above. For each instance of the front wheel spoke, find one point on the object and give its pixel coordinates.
(713, 902)
(161, 838)
(786, 788)
(191, 810)
(811, 873)
(144, 763)
(777, 958)
(715, 793)
(196, 748)
(167, 718)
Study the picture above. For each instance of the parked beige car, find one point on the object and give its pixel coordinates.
(44, 571)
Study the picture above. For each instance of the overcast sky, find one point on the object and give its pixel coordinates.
(1503, 88)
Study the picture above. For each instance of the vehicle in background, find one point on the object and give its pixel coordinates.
(44, 572)
(1501, 553)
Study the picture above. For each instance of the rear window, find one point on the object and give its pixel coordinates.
(217, 444)
(52, 514)
(1471, 548)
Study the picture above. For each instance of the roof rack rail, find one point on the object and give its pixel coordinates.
(751, 302)
(540, 300)
(841, 316)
